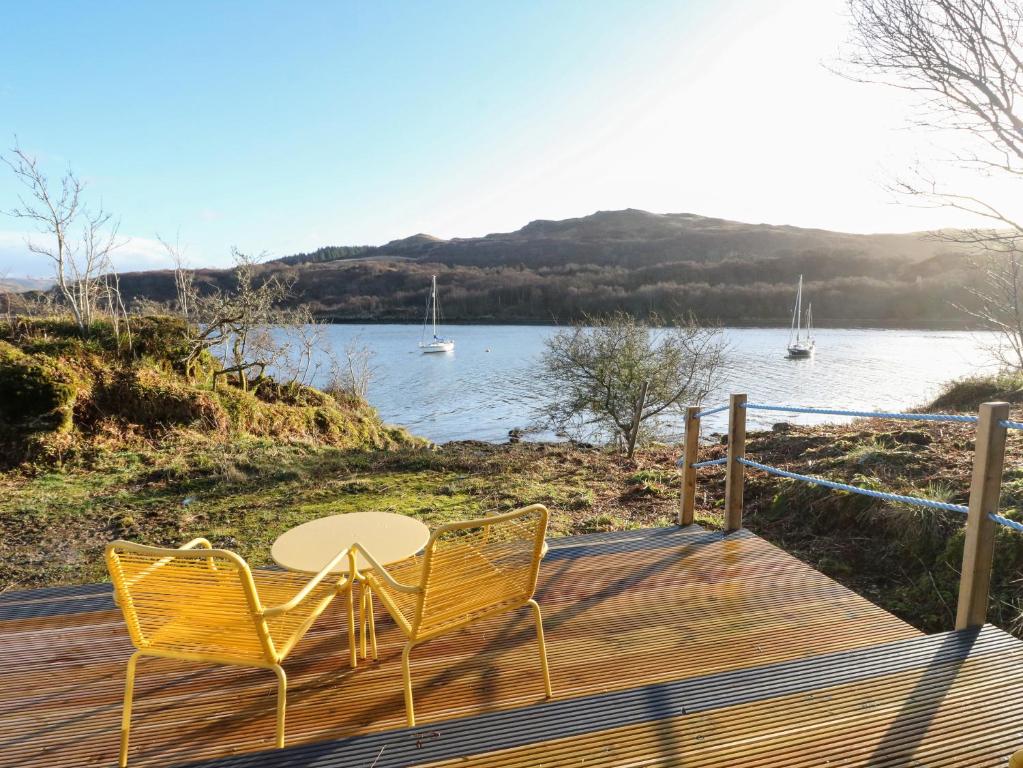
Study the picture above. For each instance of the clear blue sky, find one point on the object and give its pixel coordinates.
(286, 126)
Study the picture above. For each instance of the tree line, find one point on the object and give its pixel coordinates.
(843, 290)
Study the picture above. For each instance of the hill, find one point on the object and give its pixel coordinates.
(557, 271)
(24, 284)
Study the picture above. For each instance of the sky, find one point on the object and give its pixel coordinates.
(282, 127)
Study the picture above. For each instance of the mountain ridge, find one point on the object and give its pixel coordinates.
(630, 260)
(617, 226)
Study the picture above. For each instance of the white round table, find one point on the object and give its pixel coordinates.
(387, 536)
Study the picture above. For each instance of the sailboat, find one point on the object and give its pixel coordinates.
(800, 345)
(436, 344)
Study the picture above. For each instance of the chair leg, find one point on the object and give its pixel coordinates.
(372, 623)
(353, 659)
(538, 620)
(129, 692)
(410, 714)
(282, 700)
(363, 594)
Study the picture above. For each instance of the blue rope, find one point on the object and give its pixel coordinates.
(1010, 424)
(711, 463)
(1006, 522)
(712, 411)
(868, 414)
(931, 503)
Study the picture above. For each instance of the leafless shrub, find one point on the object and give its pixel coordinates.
(614, 375)
(352, 376)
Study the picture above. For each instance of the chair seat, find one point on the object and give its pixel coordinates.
(230, 634)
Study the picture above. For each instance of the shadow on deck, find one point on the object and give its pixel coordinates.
(667, 647)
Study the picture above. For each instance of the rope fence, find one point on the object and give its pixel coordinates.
(989, 444)
(954, 417)
(710, 463)
(883, 495)
(712, 411)
(914, 500)
(1006, 522)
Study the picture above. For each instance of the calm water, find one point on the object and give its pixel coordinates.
(486, 386)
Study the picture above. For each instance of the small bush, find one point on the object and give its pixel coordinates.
(967, 394)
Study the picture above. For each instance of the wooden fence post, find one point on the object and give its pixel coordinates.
(978, 550)
(735, 474)
(690, 453)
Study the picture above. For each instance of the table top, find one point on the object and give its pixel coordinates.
(388, 537)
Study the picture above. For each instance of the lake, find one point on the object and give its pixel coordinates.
(487, 386)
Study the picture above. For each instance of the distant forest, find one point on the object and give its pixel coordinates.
(645, 264)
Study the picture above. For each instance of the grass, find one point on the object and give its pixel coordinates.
(54, 524)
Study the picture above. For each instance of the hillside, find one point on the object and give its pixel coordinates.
(631, 260)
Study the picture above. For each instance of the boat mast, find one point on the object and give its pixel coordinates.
(433, 301)
(799, 308)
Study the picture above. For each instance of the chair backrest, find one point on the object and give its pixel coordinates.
(477, 567)
(189, 602)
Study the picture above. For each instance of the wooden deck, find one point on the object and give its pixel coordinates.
(667, 647)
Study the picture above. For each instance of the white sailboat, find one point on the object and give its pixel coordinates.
(800, 345)
(436, 344)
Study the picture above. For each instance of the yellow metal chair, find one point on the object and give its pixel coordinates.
(201, 604)
(469, 570)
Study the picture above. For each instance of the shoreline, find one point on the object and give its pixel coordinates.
(837, 325)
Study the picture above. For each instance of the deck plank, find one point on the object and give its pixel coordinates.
(621, 611)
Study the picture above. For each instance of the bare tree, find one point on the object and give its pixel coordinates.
(238, 325)
(352, 376)
(79, 240)
(616, 375)
(184, 278)
(963, 61)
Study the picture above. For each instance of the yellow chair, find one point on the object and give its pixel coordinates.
(468, 571)
(201, 604)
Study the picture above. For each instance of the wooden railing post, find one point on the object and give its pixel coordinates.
(978, 550)
(687, 510)
(735, 474)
